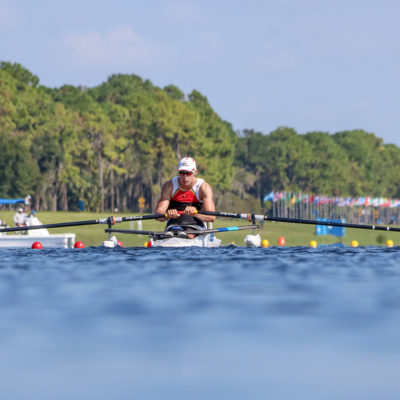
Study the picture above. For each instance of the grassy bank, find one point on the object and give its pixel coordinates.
(295, 234)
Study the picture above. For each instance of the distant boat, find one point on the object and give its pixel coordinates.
(53, 240)
(61, 240)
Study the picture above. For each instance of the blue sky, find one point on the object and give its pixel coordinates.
(326, 65)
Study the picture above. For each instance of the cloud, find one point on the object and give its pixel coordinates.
(119, 46)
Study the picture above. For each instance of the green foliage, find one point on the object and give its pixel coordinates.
(174, 92)
(351, 163)
(20, 74)
(328, 168)
(18, 171)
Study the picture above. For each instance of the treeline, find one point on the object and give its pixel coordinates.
(111, 144)
(350, 163)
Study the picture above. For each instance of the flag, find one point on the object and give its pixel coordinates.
(360, 201)
(269, 197)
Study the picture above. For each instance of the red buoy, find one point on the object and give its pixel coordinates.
(79, 245)
(120, 243)
(37, 245)
(149, 244)
(281, 241)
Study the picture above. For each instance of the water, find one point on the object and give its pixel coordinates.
(229, 323)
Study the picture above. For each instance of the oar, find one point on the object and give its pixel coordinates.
(194, 231)
(258, 217)
(139, 217)
(110, 221)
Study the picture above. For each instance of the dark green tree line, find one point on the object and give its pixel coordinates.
(113, 143)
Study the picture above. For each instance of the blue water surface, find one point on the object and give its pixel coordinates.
(229, 323)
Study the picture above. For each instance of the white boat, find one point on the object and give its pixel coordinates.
(206, 240)
(61, 240)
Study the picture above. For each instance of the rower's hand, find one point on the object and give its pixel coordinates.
(172, 214)
(190, 211)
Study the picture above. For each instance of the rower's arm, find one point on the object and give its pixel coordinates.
(163, 203)
(206, 195)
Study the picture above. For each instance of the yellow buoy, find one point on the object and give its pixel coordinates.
(313, 243)
(265, 243)
(354, 243)
(389, 243)
(145, 244)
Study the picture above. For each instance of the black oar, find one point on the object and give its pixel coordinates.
(110, 221)
(258, 217)
(134, 232)
(194, 231)
(139, 217)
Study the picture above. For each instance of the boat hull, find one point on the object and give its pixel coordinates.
(208, 240)
(64, 240)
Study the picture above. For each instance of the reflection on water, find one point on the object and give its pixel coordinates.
(235, 323)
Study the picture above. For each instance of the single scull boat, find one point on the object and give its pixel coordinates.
(203, 238)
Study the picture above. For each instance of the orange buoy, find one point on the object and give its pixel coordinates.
(79, 245)
(281, 241)
(37, 245)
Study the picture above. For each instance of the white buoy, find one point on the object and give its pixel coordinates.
(113, 242)
(252, 240)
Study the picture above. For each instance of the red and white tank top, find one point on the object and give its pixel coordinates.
(182, 198)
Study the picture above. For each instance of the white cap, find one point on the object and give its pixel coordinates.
(20, 210)
(187, 164)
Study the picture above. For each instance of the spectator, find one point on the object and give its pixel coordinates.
(20, 218)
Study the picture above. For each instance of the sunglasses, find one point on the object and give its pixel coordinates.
(185, 173)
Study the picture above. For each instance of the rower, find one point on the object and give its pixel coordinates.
(183, 196)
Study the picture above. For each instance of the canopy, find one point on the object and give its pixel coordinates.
(12, 201)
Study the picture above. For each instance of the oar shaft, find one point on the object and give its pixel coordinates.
(329, 223)
(229, 229)
(58, 225)
(249, 217)
(139, 217)
(133, 232)
(109, 220)
(258, 217)
(227, 214)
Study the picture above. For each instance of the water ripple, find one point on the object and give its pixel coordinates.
(204, 311)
